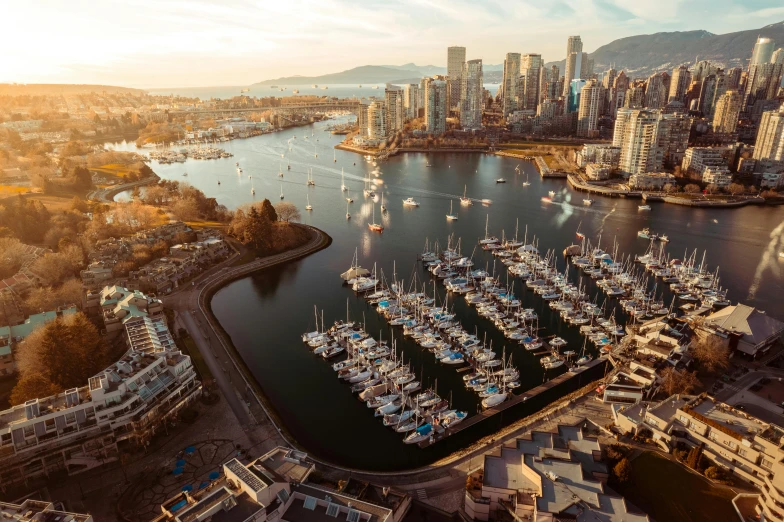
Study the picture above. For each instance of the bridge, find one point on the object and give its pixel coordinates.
(312, 107)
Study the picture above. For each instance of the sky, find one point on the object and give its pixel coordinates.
(179, 43)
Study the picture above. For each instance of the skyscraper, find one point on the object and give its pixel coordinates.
(725, 119)
(635, 95)
(770, 137)
(393, 96)
(435, 106)
(679, 83)
(574, 46)
(553, 87)
(509, 85)
(376, 121)
(455, 61)
(591, 103)
(617, 95)
(649, 140)
(471, 97)
(657, 88)
(762, 52)
(411, 100)
(531, 69)
(575, 91)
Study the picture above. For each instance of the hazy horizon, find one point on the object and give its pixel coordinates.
(175, 44)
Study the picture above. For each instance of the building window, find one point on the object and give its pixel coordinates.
(765, 463)
(353, 516)
(742, 452)
(310, 503)
(712, 436)
(29, 431)
(333, 510)
(49, 423)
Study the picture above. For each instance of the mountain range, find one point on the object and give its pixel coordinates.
(639, 56)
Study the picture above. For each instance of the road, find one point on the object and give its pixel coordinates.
(106, 195)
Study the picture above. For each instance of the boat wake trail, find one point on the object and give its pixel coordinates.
(604, 219)
(769, 255)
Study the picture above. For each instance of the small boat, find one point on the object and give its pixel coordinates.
(451, 216)
(422, 433)
(547, 199)
(343, 186)
(494, 400)
(464, 200)
(643, 207)
(588, 202)
(526, 182)
(383, 207)
(184, 173)
(410, 202)
(664, 238)
(551, 193)
(281, 191)
(348, 215)
(375, 227)
(500, 180)
(348, 196)
(308, 206)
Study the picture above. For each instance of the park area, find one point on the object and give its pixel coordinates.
(666, 491)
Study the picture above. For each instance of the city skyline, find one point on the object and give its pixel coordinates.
(163, 44)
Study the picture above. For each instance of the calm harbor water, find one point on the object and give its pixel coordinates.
(265, 314)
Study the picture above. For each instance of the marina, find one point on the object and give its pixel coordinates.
(317, 408)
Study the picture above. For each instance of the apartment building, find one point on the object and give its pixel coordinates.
(96, 275)
(11, 336)
(38, 511)
(547, 477)
(86, 427)
(274, 487)
(732, 439)
(149, 335)
(117, 305)
(745, 329)
(599, 153)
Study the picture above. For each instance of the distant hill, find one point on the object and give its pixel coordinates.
(49, 89)
(407, 73)
(643, 55)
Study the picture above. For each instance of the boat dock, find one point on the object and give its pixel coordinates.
(441, 433)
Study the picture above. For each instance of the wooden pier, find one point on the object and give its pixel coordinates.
(441, 433)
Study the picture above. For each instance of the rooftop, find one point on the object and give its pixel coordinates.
(666, 409)
(756, 327)
(728, 417)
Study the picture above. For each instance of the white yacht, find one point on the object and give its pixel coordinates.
(643, 207)
(410, 202)
(451, 216)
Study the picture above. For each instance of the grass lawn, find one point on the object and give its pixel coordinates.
(668, 491)
(53, 203)
(12, 190)
(197, 358)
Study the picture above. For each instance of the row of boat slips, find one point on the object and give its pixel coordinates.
(388, 386)
(436, 329)
(689, 280)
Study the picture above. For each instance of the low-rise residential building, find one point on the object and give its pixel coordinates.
(650, 180)
(274, 487)
(597, 172)
(734, 440)
(599, 153)
(96, 275)
(10, 336)
(773, 180)
(718, 177)
(623, 389)
(85, 427)
(149, 334)
(118, 305)
(697, 160)
(38, 511)
(549, 477)
(745, 329)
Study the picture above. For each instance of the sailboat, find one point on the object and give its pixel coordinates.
(375, 227)
(252, 189)
(281, 191)
(526, 182)
(579, 234)
(334, 157)
(464, 200)
(311, 181)
(348, 216)
(280, 171)
(383, 207)
(343, 186)
(308, 207)
(451, 216)
(348, 196)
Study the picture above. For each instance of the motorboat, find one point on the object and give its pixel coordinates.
(588, 202)
(643, 207)
(551, 193)
(410, 202)
(494, 400)
(500, 180)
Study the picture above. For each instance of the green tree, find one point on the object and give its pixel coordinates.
(622, 471)
(268, 212)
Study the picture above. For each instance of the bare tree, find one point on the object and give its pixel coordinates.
(287, 212)
(691, 188)
(677, 381)
(711, 353)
